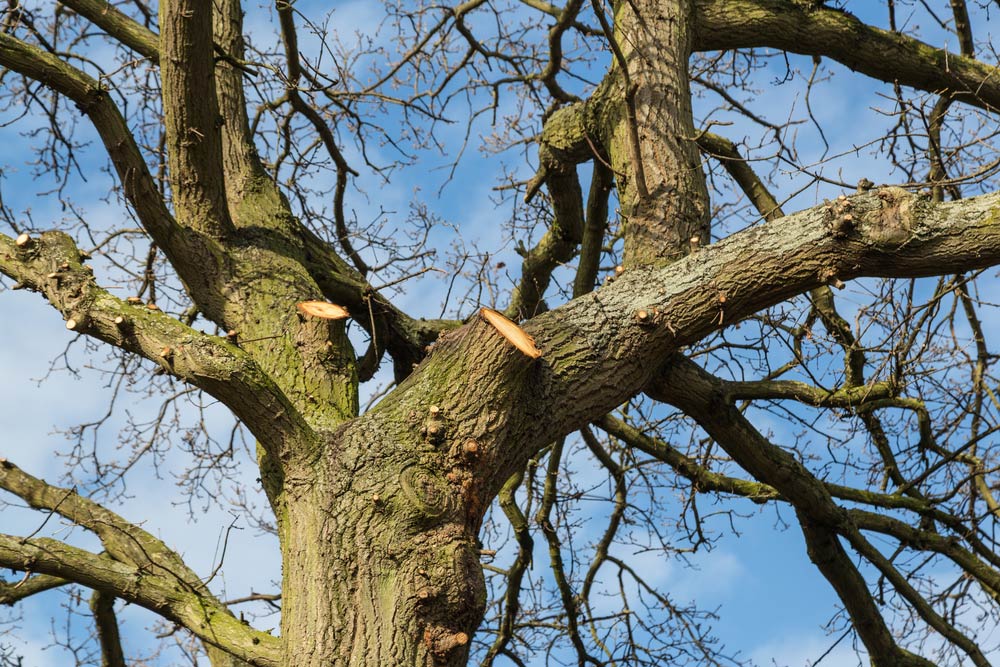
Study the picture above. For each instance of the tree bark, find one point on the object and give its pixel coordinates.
(378, 515)
(650, 133)
(381, 557)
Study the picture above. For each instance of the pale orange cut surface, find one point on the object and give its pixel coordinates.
(328, 311)
(511, 332)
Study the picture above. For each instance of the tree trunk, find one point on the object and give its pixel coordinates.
(367, 582)
(652, 136)
(379, 538)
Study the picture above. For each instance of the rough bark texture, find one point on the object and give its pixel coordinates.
(379, 514)
(651, 133)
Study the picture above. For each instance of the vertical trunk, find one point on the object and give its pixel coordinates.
(379, 531)
(661, 185)
(381, 558)
(373, 579)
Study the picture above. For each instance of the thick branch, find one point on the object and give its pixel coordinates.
(102, 606)
(830, 558)
(244, 173)
(191, 116)
(816, 30)
(600, 349)
(123, 541)
(726, 152)
(51, 264)
(202, 615)
(988, 577)
(28, 586)
(923, 608)
(663, 194)
(195, 254)
(603, 335)
(595, 223)
(844, 397)
(118, 25)
(706, 480)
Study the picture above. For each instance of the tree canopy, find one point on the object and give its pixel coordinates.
(503, 309)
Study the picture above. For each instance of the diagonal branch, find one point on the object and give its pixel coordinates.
(557, 246)
(51, 264)
(118, 25)
(404, 337)
(91, 98)
(710, 289)
(190, 254)
(821, 31)
(123, 541)
(979, 560)
(602, 348)
(204, 616)
(701, 477)
(289, 38)
(701, 396)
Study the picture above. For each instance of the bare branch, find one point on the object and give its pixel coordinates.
(160, 593)
(51, 264)
(28, 586)
(118, 25)
(821, 31)
(102, 606)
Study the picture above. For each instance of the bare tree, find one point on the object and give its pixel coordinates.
(657, 317)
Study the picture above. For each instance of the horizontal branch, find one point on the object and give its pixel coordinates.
(202, 615)
(917, 538)
(705, 480)
(701, 477)
(28, 586)
(51, 264)
(844, 397)
(821, 31)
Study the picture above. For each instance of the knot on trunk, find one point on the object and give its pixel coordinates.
(442, 641)
(426, 491)
(893, 222)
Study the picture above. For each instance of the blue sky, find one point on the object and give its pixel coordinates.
(772, 604)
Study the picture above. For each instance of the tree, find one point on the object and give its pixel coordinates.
(239, 162)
